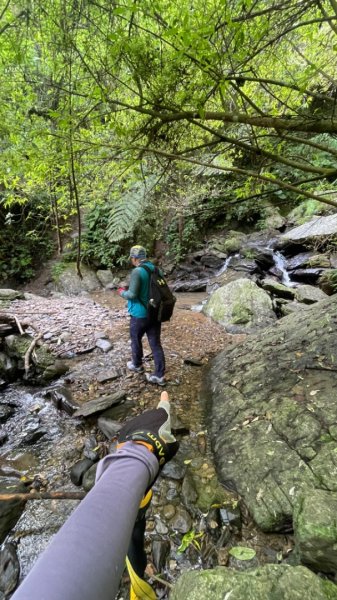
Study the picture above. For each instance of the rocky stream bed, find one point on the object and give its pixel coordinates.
(256, 425)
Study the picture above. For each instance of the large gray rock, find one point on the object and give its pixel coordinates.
(69, 283)
(273, 416)
(317, 227)
(308, 294)
(240, 306)
(7, 294)
(316, 530)
(271, 582)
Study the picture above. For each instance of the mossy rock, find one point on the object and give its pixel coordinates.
(271, 582)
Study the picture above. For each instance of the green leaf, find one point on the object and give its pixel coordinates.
(242, 552)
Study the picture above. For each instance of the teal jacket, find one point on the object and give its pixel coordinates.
(138, 293)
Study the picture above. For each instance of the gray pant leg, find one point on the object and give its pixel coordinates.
(86, 558)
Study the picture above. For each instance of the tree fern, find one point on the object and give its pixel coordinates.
(126, 212)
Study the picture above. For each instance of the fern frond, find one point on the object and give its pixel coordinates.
(125, 214)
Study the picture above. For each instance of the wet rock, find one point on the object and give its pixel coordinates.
(230, 516)
(278, 289)
(309, 294)
(100, 404)
(89, 478)
(119, 412)
(240, 306)
(62, 399)
(309, 276)
(265, 259)
(212, 261)
(10, 510)
(8, 367)
(109, 427)
(160, 552)
(79, 469)
(198, 285)
(181, 521)
(9, 569)
(91, 449)
(300, 260)
(104, 345)
(174, 470)
(31, 437)
(3, 437)
(161, 527)
(265, 583)
(315, 530)
(3, 384)
(188, 492)
(6, 411)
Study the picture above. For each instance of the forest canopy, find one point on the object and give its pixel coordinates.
(124, 104)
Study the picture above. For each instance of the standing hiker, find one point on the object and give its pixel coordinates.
(138, 296)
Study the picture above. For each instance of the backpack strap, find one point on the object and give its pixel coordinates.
(149, 271)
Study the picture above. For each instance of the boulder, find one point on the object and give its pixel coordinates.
(69, 283)
(316, 227)
(271, 582)
(9, 295)
(308, 294)
(278, 289)
(106, 278)
(240, 306)
(272, 417)
(316, 530)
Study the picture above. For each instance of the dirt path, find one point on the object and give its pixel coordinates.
(70, 326)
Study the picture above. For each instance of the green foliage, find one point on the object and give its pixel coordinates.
(182, 236)
(190, 539)
(58, 268)
(242, 553)
(96, 247)
(25, 240)
(243, 89)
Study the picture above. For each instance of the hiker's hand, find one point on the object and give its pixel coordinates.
(120, 290)
(153, 429)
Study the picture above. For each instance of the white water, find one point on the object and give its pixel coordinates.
(280, 263)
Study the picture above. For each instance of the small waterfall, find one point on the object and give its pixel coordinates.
(280, 264)
(226, 264)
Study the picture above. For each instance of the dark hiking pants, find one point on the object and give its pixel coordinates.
(138, 327)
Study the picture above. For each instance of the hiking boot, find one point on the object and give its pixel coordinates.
(155, 379)
(133, 368)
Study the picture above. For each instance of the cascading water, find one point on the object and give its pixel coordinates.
(280, 264)
(226, 264)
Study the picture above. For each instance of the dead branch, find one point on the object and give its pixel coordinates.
(18, 324)
(43, 496)
(29, 352)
